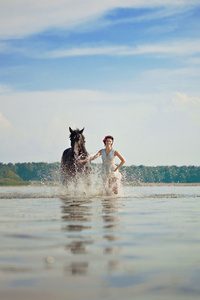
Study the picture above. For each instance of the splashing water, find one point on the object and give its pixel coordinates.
(88, 186)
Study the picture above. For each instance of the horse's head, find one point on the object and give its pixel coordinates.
(77, 140)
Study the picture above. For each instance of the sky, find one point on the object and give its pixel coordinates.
(127, 68)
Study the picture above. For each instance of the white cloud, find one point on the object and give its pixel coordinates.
(184, 99)
(5, 89)
(194, 60)
(188, 105)
(4, 123)
(22, 18)
(183, 47)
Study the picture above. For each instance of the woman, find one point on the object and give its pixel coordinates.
(111, 174)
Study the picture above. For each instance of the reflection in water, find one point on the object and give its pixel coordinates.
(81, 221)
(111, 218)
(77, 268)
(76, 218)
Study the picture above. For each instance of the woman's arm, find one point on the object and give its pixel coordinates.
(121, 158)
(89, 158)
(95, 156)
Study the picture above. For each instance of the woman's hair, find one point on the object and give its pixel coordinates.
(108, 137)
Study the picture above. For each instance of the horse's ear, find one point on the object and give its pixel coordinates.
(81, 131)
(70, 129)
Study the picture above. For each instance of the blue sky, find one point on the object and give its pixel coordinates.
(126, 67)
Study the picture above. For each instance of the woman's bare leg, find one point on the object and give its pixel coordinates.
(114, 185)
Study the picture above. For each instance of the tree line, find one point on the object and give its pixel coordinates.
(162, 174)
(25, 173)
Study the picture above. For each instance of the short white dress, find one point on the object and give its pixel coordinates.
(109, 165)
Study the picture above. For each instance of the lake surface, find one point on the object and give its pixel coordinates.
(142, 244)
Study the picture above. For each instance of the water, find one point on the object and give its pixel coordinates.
(142, 244)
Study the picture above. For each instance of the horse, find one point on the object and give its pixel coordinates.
(70, 169)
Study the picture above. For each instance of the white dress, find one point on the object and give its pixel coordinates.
(109, 165)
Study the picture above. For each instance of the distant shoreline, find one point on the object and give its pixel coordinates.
(24, 173)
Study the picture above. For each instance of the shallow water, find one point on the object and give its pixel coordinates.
(142, 244)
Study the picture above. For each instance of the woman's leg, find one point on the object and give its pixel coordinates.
(114, 185)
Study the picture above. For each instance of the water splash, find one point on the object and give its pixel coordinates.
(89, 185)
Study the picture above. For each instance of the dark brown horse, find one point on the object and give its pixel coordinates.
(69, 166)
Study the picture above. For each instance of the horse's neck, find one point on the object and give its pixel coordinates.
(79, 149)
(83, 149)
